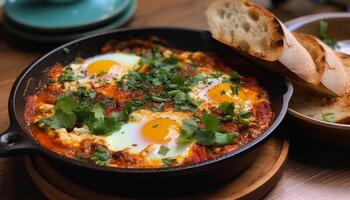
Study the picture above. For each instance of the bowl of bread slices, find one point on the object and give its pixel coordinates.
(312, 52)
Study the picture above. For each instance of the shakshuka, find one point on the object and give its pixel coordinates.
(141, 104)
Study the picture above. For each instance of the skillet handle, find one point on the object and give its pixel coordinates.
(12, 142)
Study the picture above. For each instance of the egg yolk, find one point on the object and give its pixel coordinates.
(157, 130)
(221, 93)
(100, 67)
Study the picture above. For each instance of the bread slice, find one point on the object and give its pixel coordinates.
(333, 78)
(336, 109)
(257, 33)
(345, 59)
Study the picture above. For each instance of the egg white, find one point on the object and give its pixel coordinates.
(127, 63)
(129, 137)
(199, 94)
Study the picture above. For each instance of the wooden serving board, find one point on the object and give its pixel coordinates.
(253, 183)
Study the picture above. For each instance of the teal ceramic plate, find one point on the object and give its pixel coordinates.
(125, 16)
(45, 15)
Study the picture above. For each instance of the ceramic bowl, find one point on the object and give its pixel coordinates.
(338, 29)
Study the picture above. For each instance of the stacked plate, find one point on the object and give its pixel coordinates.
(64, 20)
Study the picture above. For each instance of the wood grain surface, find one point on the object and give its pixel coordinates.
(313, 171)
(253, 183)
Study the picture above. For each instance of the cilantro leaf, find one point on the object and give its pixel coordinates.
(168, 162)
(60, 119)
(67, 104)
(185, 137)
(235, 77)
(163, 150)
(121, 116)
(98, 111)
(227, 108)
(188, 128)
(205, 137)
(208, 138)
(221, 139)
(179, 96)
(103, 126)
(68, 112)
(101, 157)
(63, 116)
(189, 125)
(211, 122)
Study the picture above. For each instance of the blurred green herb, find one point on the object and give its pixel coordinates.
(328, 117)
(323, 35)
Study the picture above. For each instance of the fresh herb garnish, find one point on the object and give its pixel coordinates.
(49, 81)
(101, 157)
(168, 162)
(163, 150)
(208, 138)
(66, 50)
(328, 117)
(67, 75)
(68, 112)
(64, 116)
(85, 94)
(235, 77)
(323, 35)
(227, 108)
(243, 117)
(211, 122)
(209, 135)
(187, 131)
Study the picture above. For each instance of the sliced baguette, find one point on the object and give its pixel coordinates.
(345, 59)
(257, 33)
(333, 78)
(316, 107)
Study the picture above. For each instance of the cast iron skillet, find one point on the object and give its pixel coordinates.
(17, 140)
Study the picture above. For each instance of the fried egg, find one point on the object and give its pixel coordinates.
(147, 131)
(215, 91)
(107, 66)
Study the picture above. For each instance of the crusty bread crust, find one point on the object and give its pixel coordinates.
(265, 38)
(317, 106)
(296, 58)
(332, 75)
(247, 26)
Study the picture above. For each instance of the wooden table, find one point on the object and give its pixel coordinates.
(312, 171)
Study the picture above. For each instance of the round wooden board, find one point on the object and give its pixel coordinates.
(253, 183)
